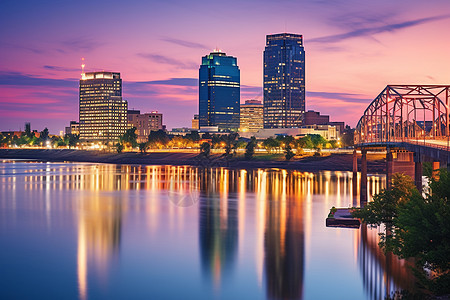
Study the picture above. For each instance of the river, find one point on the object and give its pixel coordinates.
(100, 231)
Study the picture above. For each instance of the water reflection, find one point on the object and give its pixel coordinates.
(99, 230)
(265, 221)
(383, 273)
(218, 224)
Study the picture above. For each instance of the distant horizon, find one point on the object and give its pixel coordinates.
(353, 50)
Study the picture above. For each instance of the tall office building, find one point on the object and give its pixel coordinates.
(219, 91)
(251, 116)
(103, 112)
(284, 81)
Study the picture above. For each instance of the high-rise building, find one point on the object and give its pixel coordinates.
(251, 116)
(284, 81)
(103, 112)
(219, 91)
(145, 123)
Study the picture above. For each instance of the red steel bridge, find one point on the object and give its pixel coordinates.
(411, 122)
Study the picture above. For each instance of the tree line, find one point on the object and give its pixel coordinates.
(41, 139)
(417, 225)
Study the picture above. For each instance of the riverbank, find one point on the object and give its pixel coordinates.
(332, 162)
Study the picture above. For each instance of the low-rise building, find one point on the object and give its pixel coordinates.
(327, 131)
(73, 128)
(145, 123)
(251, 119)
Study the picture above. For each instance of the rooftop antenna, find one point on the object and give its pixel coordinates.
(82, 68)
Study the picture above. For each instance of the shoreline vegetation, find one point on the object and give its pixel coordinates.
(330, 161)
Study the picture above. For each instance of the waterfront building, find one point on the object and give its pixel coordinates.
(312, 117)
(329, 132)
(284, 81)
(251, 116)
(219, 91)
(145, 123)
(73, 128)
(195, 124)
(102, 111)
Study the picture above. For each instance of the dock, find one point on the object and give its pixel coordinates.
(342, 217)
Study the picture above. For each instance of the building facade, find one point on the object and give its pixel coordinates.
(251, 116)
(284, 81)
(195, 124)
(145, 123)
(102, 111)
(74, 128)
(219, 91)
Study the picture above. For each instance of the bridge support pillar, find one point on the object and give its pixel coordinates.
(389, 168)
(435, 173)
(355, 173)
(363, 188)
(418, 171)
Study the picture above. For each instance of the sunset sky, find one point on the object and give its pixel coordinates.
(354, 48)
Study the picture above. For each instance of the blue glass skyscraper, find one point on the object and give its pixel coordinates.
(219, 91)
(284, 81)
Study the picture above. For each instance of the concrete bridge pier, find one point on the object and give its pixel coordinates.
(435, 173)
(355, 173)
(389, 168)
(418, 170)
(363, 188)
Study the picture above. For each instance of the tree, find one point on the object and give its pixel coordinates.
(270, 144)
(422, 231)
(250, 148)
(384, 207)
(119, 147)
(193, 136)
(288, 152)
(317, 140)
(129, 138)
(44, 135)
(305, 142)
(143, 147)
(205, 149)
(230, 143)
(158, 138)
(416, 226)
(72, 139)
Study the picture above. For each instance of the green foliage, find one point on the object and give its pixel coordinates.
(119, 147)
(305, 142)
(250, 148)
(129, 137)
(318, 141)
(158, 139)
(416, 226)
(143, 147)
(72, 139)
(422, 231)
(288, 152)
(193, 136)
(333, 144)
(44, 134)
(333, 210)
(205, 149)
(270, 144)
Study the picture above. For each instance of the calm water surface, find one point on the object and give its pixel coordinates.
(96, 231)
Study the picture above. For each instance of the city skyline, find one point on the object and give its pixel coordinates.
(355, 48)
